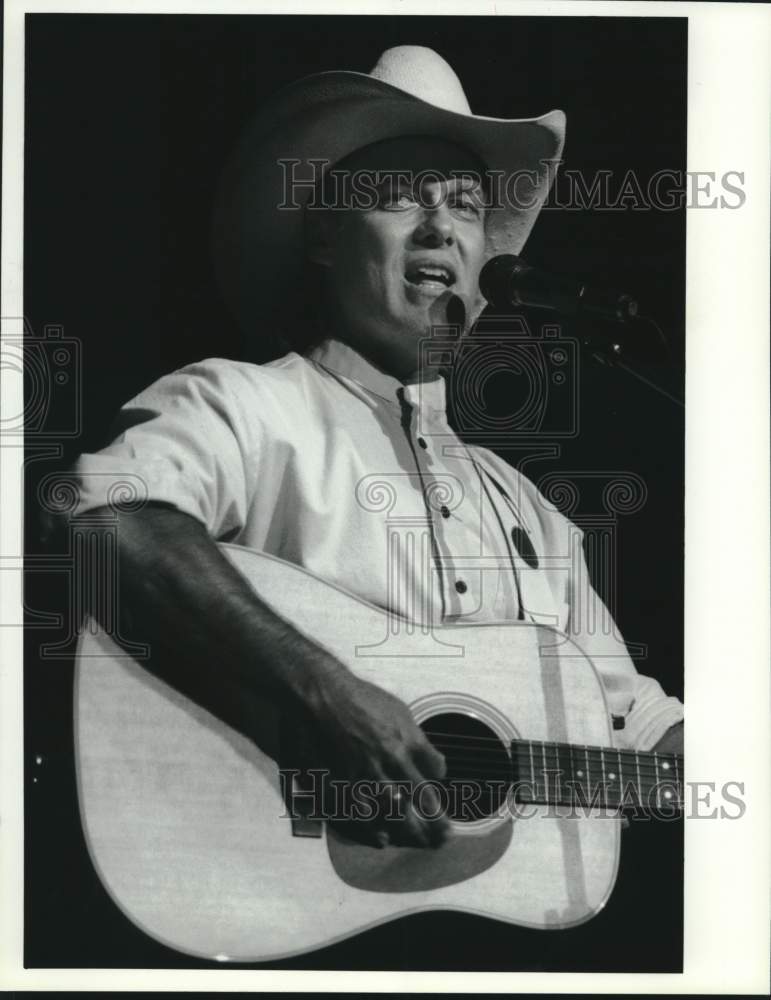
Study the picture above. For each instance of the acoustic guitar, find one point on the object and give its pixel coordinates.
(211, 847)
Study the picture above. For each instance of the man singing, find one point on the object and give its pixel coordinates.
(275, 457)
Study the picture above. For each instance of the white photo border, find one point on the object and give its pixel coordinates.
(726, 939)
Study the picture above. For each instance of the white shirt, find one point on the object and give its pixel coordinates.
(330, 464)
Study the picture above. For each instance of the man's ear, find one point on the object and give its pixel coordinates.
(320, 228)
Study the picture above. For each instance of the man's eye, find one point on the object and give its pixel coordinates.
(466, 204)
(397, 201)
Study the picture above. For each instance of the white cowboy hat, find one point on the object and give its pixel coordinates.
(258, 246)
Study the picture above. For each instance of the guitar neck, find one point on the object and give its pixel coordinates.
(605, 777)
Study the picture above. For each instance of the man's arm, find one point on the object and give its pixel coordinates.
(653, 718)
(174, 582)
(672, 740)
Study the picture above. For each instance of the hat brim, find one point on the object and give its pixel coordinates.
(258, 223)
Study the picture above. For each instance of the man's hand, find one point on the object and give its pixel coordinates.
(368, 735)
(374, 737)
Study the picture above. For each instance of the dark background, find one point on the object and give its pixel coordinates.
(128, 122)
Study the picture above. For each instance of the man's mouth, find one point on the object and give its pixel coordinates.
(430, 275)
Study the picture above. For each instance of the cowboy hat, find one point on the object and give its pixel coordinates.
(258, 217)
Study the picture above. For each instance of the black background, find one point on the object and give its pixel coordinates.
(128, 120)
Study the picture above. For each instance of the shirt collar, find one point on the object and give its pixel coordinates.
(343, 360)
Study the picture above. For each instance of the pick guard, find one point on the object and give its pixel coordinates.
(415, 869)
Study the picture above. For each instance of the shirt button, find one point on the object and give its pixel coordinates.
(524, 547)
(460, 586)
(422, 442)
(444, 511)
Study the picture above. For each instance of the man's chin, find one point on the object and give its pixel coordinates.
(434, 305)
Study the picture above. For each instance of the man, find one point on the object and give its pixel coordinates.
(280, 458)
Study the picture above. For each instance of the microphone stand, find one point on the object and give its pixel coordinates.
(639, 338)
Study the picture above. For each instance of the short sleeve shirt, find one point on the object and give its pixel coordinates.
(326, 462)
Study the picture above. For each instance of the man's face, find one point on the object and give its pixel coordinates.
(394, 267)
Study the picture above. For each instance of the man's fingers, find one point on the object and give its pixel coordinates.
(421, 808)
(428, 801)
(431, 808)
(430, 761)
(409, 829)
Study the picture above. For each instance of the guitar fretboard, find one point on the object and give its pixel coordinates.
(570, 774)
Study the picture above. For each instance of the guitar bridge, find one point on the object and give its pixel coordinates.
(301, 804)
(305, 826)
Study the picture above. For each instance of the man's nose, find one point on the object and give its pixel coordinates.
(436, 228)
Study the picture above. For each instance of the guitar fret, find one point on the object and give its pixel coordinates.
(604, 786)
(639, 779)
(611, 794)
(588, 774)
(658, 788)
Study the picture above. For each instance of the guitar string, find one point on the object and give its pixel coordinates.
(559, 791)
(578, 764)
(652, 772)
(608, 757)
(553, 743)
(562, 767)
(649, 754)
(466, 772)
(554, 792)
(551, 792)
(563, 758)
(647, 774)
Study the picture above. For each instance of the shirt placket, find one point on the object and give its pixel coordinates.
(453, 510)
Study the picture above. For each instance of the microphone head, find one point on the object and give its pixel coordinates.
(495, 279)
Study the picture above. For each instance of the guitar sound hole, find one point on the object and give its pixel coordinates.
(478, 765)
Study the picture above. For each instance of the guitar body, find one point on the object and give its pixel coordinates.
(188, 828)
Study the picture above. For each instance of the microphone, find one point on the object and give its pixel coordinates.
(508, 281)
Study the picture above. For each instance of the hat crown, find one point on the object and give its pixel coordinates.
(423, 73)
